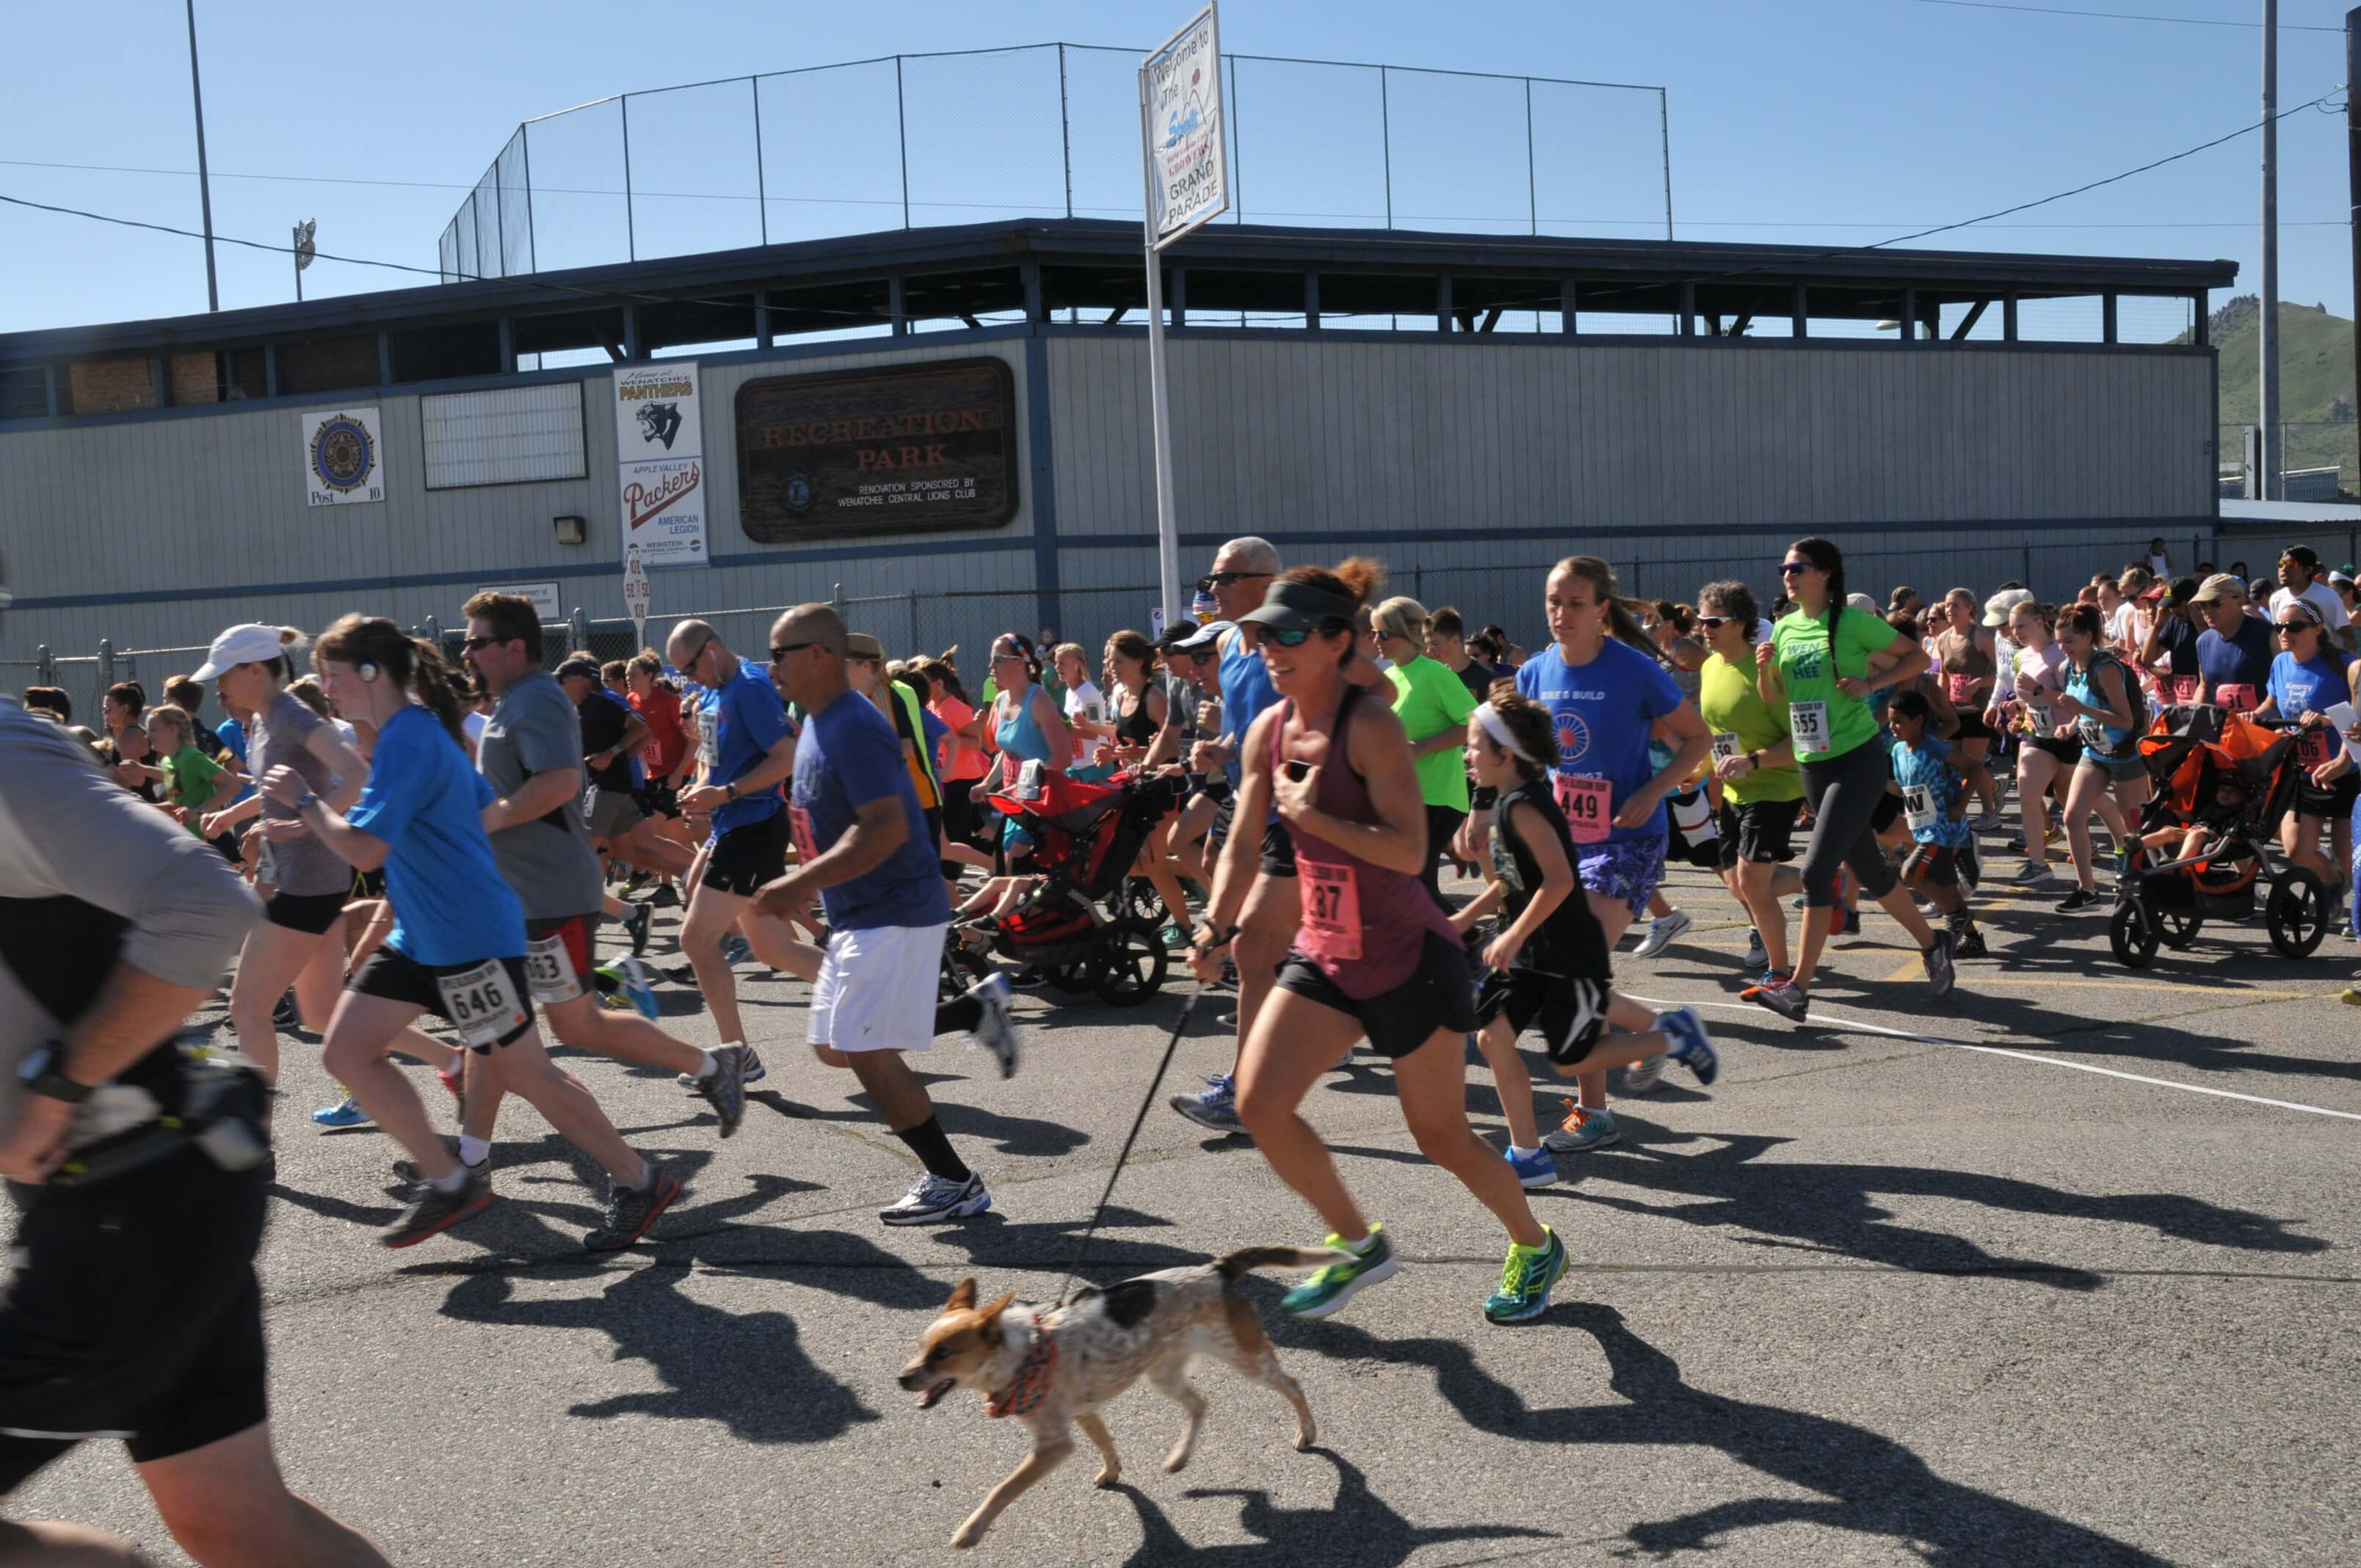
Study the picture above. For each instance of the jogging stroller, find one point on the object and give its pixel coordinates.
(1077, 927)
(2237, 778)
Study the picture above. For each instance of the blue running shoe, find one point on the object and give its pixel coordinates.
(344, 1112)
(1535, 1170)
(735, 949)
(1215, 1107)
(1339, 1282)
(632, 984)
(1690, 1047)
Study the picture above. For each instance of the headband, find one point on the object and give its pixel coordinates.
(1497, 728)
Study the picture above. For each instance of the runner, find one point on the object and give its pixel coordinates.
(1447, 644)
(531, 755)
(1141, 707)
(612, 737)
(1085, 712)
(1816, 669)
(2309, 677)
(668, 760)
(2234, 650)
(965, 760)
(1433, 704)
(1376, 959)
(1026, 727)
(1932, 779)
(1548, 963)
(2171, 650)
(745, 748)
(2102, 702)
(2047, 748)
(861, 845)
(1971, 666)
(458, 943)
(1762, 792)
(1605, 699)
(2301, 578)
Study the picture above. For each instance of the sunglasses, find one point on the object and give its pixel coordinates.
(690, 663)
(472, 643)
(1206, 585)
(2295, 625)
(781, 650)
(1714, 622)
(1795, 568)
(1288, 636)
(1007, 656)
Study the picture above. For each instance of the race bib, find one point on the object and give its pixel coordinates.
(708, 739)
(549, 971)
(1725, 745)
(1919, 807)
(2093, 734)
(1585, 801)
(481, 1004)
(1808, 722)
(2041, 719)
(2237, 699)
(2313, 747)
(1332, 909)
(2186, 687)
(806, 846)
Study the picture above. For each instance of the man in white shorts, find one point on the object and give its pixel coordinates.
(862, 846)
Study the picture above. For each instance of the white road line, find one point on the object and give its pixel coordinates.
(1864, 1027)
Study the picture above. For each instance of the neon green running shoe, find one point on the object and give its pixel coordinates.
(1328, 1291)
(1525, 1281)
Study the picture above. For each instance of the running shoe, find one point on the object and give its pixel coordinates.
(634, 883)
(1175, 941)
(751, 1069)
(1215, 1107)
(2081, 898)
(1972, 944)
(663, 897)
(1327, 1291)
(344, 1112)
(1852, 926)
(1758, 957)
(632, 1210)
(1525, 1281)
(286, 1015)
(725, 1087)
(406, 1169)
(735, 948)
(1984, 822)
(1583, 1130)
(630, 980)
(435, 1211)
(1930, 910)
(932, 1197)
(1940, 973)
(1785, 997)
(1535, 1169)
(1692, 1049)
(1032, 977)
(2030, 874)
(636, 924)
(1770, 977)
(1644, 1074)
(996, 1029)
(1661, 933)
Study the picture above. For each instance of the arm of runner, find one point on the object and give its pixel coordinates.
(229, 817)
(361, 850)
(336, 754)
(777, 764)
(1557, 885)
(1909, 664)
(636, 734)
(1476, 908)
(1054, 730)
(539, 795)
(1378, 750)
(878, 828)
(1681, 724)
(1766, 677)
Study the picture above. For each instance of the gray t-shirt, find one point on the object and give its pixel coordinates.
(282, 737)
(549, 861)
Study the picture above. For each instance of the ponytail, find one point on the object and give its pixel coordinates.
(431, 682)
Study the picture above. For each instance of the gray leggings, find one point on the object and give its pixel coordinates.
(1844, 790)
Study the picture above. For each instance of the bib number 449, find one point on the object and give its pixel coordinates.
(1585, 800)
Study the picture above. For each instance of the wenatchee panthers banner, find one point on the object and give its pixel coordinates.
(660, 463)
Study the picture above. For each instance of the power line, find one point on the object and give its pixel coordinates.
(2125, 15)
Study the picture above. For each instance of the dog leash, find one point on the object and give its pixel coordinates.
(1171, 1043)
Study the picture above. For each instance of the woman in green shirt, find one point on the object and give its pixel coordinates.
(1433, 704)
(1815, 669)
(1762, 792)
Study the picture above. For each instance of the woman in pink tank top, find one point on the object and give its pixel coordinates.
(1375, 959)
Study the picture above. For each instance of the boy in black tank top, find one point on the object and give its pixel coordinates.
(1549, 963)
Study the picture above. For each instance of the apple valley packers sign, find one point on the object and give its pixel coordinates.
(343, 457)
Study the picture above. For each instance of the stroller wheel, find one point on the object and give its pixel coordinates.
(2297, 912)
(1131, 964)
(2179, 928)
(2131, 932)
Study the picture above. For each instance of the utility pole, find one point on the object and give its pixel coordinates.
(2268, 394)
(2353, 181)
(204, 185)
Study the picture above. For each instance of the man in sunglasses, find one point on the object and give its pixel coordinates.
(746, 749)
(2301, 578)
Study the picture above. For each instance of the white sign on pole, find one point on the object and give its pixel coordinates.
(344, 457)
(636, 592)
(1188, 174)
(660, 462)
(1156, 624)
(543, 595)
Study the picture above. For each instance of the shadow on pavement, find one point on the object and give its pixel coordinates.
(1864, 1481)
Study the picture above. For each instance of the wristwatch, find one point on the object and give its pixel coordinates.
(58, 1086)
(730, 792)
(306, 798)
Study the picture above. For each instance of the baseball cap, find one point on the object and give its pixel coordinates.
(580, 665)
(2220, 586)
(2001, 605)
(1863, 603)
(861, 645)
(247, 644)
(1289, 605)
(1194, 639)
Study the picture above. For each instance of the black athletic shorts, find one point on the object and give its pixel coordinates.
(2068, 751)
(1572, 1012)
(1973, 726)
(746, 857)
(1886, 813)
(1439, 995)
(1762, 831)
(1278, 850)
(309, 912)
(134, 1314)
(1937, 864)
(396, 977)
(2335, 802)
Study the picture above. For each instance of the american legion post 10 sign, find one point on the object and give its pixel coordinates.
(897, 449)
(344, 457)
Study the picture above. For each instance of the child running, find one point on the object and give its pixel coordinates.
(1928, 775)
(1549, 963)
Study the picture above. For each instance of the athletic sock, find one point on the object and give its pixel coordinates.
(451, 1183)
(474, 1151)
(934, 1150)
(1517, 1152)
(959, 1016)
(704, 1067)
(1360, 1248)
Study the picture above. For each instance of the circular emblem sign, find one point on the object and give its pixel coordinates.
(344, 454)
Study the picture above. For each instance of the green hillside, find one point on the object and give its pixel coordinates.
(2316, 383)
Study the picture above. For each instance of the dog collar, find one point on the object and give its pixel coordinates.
(1031, 1386)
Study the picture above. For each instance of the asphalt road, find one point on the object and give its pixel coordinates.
(1882, 1295)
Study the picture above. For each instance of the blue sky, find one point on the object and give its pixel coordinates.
(1836, 122)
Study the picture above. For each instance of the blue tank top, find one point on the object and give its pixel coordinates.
(1246, 692)
(1021, 735)
(2102, 743)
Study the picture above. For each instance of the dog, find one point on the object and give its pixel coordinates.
(1054, 1366)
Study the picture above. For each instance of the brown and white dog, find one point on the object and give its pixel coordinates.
(1054, 1366)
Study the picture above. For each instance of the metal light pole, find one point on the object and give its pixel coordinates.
(2267, 398)
(2352, 178)
(204, 185)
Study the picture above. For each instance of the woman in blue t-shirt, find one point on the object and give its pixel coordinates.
(2307, 679)
(458, 944)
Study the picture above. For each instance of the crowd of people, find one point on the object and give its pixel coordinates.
(414, 854)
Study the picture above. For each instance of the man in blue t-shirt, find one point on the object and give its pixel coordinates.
(745, 747)
(2234, 649)
(861, 845)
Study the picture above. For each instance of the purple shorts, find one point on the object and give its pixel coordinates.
(1628, 870)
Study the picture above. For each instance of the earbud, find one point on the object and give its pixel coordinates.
(366, 672)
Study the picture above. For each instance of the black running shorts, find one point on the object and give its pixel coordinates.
(1572, 1012)
(1762, 831)
(309, 912)
(1439, 995)
(746, 857)
(394, 976)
